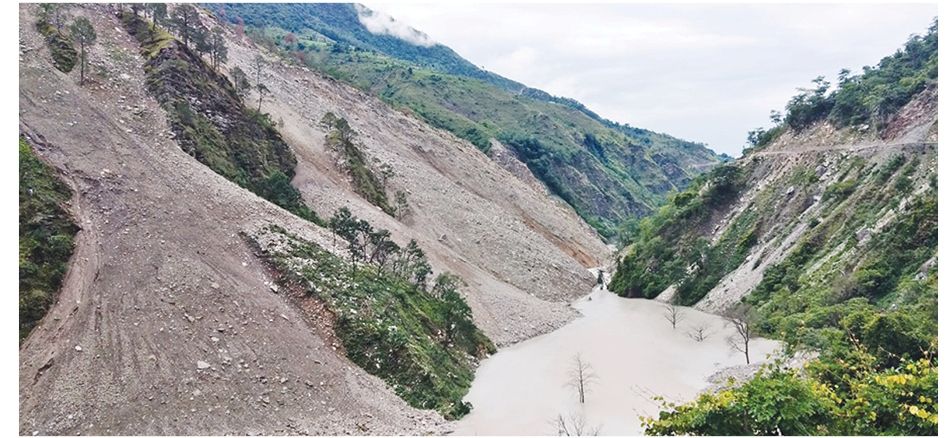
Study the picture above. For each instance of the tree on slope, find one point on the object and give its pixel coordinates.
(159, 12)
(186, 23)
(219, 50)
(82, 32)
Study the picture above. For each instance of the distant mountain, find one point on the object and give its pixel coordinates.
(606, 171)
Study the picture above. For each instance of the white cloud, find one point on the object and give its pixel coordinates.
(383, 24)
(708, 73)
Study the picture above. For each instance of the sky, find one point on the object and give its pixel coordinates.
(708, 73)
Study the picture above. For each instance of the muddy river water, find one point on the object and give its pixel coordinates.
(634, 354)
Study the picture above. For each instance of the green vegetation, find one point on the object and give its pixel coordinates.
(834, 397)
(50, 23)
(607, 172)
(46, 237)
(420, 339)
(212, 124)
(342, 140)
(667, 247)
(82, 31)
(857, 290)
(866, 302)
(867, 99)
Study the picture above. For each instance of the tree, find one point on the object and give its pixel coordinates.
(673, 314)
(219, 50)
(83, 33)
(575, 426)
(261, 88)
(698, 333)
(740, 320)
(184, 21)
(419, 267)
(201, 36)
(581, 376)
(290, 40)
(159, 12)
(240, 27)
(240, 80)
(401, 205)
(54, 13)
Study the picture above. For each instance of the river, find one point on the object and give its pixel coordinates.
(631, 349)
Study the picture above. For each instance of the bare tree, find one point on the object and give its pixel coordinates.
(581, 376)
(672, 314)
(698, 333)
(740, 319)
(575, 425)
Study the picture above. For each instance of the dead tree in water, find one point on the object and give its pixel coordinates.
(698, 333)
(581, 376)
(575, 426)
(740, 319)
(672, 314)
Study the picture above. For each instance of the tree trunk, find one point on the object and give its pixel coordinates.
(82, 64)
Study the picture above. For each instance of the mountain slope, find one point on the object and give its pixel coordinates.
(605, 171)
(823, 235)
(175, 317)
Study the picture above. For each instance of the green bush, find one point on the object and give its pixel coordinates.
(840, 190)
(60, 45)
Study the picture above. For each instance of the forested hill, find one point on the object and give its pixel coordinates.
(606, 171)
(823, 235)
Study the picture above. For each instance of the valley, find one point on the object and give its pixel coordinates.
(633, 355)
(267, 219)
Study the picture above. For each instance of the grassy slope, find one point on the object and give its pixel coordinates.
(46, 237)
(423, 343)
(605, 171)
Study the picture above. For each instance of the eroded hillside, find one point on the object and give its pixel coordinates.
(170, 321)
(823, 235)
(606, 171)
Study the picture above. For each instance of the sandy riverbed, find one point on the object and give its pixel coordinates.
(632, 349)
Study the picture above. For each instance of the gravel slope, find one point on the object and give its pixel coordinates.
(522, 253)
(167, 323)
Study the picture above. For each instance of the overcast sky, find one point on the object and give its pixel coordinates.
(707, 73)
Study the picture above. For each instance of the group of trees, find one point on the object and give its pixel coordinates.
(80, 31)
(242, 83)
(186, 23)
(868, 98)
(373, 246)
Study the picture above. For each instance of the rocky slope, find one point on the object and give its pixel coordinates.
(168, 323)
(475, 218)
(837, 185)
(606, 171)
